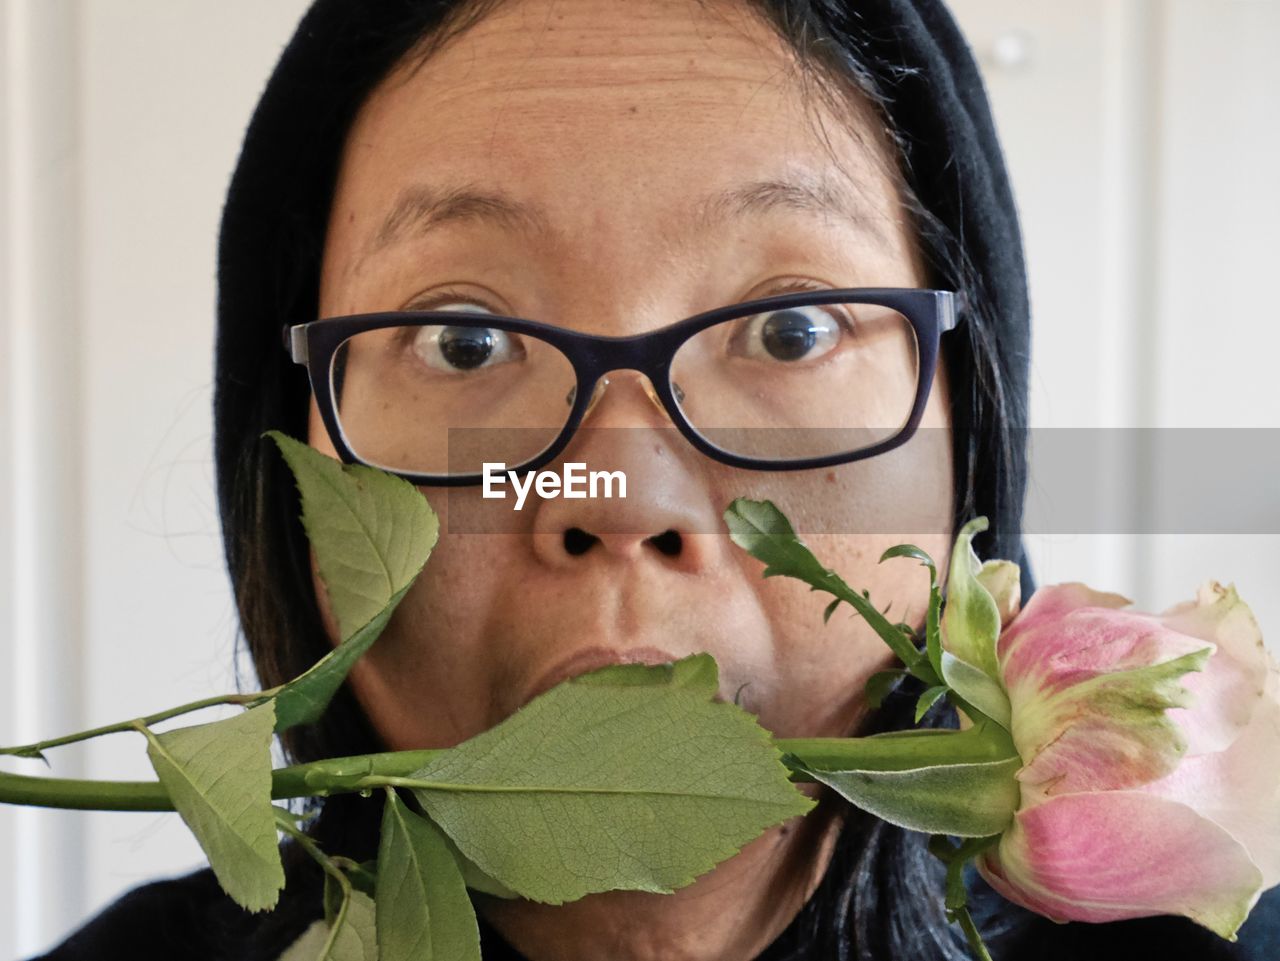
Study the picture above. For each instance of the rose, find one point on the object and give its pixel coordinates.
(1150, 747)
(1110, 764)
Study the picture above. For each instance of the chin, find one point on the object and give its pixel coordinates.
(730, 913)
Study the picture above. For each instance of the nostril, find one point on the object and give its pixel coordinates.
(668, 542)
(577, 541)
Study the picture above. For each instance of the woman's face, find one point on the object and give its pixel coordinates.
(615, 121)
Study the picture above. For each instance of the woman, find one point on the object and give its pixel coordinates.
(609, 168)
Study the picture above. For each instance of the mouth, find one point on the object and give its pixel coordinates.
(587, 659)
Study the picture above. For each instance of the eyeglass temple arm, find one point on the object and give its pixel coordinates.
(959, 303)
(295, 342)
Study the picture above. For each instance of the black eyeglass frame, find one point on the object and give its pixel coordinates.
(930, 312)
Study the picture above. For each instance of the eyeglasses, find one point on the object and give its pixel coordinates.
(794, 381)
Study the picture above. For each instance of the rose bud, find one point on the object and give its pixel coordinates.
(1151, 755)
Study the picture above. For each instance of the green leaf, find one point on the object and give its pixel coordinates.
(910, 550)
(933, 629)
(473, 877)
(363, 877)
(371, 531)
(218, 776)
(977, 688)
(594, 787)
(1121, 717)
(902, 750)
(697, 672)
(957, 895)
(881, 684)
(285, 817)
(1003, 581)
(353, 937)
(305, 698)
(965, 799)
(831, 609)
(933, 639)
(424, 912)
(955, 858)
(962, 647)
(971, 620)
(764, 532)
(927, 700)
(310, 944)
(335, 896)
(956, 901)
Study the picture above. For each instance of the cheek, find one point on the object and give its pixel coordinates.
(429, 679)
(906, 493)
(822, 669)
(318, 438)
(849, 516)
(423, 684)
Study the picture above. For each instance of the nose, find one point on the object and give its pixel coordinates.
(667, 517)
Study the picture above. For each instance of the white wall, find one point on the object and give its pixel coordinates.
(135, 613)
(43, 603)
(1141, 135)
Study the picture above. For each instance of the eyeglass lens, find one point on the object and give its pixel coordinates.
(795, 383)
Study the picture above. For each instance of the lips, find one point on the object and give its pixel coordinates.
(587, 659)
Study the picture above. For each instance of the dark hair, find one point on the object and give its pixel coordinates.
(881, 896)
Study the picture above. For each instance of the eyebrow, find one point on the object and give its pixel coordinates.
(764, 196)
(421, 209)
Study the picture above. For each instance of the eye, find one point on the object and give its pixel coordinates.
(454, 349)
(788, 335)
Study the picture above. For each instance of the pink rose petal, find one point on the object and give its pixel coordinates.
(1088, 713)
(1238, 789)
(1049, 604)
(1230, 686)
(1123, 854)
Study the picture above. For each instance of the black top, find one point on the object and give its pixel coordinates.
(189, 918)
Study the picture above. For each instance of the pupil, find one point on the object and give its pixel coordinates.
(788, 335)
(466, 347)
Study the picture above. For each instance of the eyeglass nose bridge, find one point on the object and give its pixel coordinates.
(602, 384)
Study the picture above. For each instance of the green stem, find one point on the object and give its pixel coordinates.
(335, 776)
(916, 663)
(80, 795)
(972, 935)
(307, 844)
(355, 869)
(37, 749)
(900, 750)
(330, 867)
(346, 775)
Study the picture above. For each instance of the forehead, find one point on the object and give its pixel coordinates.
(644, 126)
